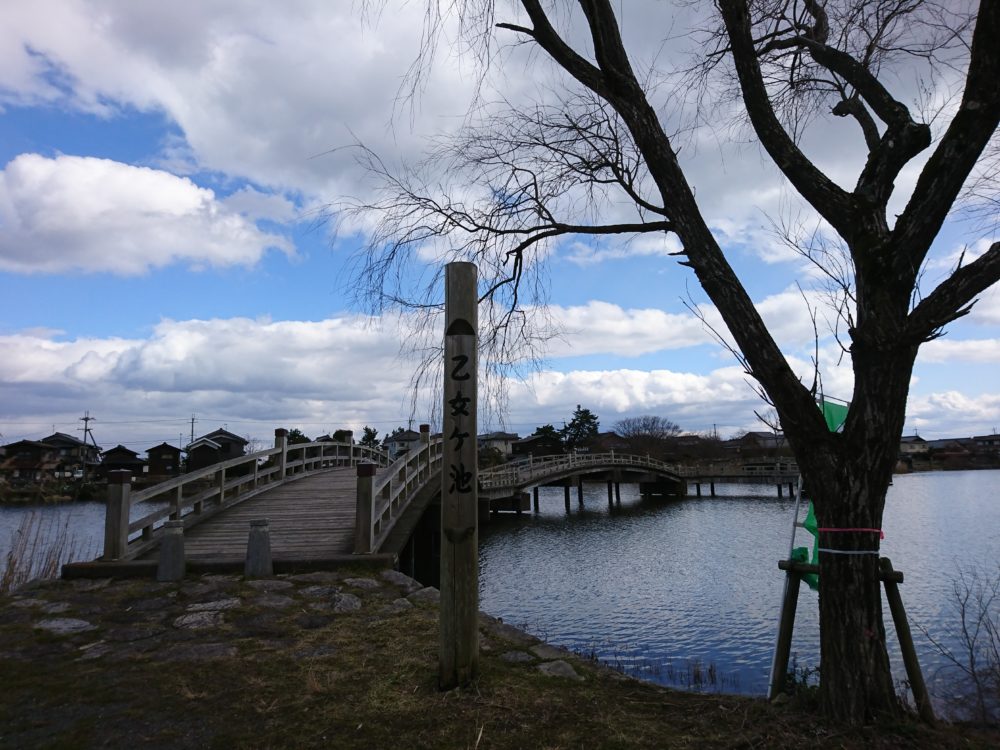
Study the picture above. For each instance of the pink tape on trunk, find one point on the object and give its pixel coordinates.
(881, 534)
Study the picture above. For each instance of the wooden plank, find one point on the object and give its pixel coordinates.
(311, 518)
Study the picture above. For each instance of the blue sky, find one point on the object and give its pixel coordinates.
(163, 253)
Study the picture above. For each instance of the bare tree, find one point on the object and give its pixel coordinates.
(501, 191)
(655, 428)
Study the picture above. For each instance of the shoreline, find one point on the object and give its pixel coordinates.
(346, 658)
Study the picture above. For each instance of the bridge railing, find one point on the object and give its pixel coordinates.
(525, 473)
(391, 494)
(196, 495)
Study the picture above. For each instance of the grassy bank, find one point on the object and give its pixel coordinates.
(342, 660)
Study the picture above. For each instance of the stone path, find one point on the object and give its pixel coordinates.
(207, 617)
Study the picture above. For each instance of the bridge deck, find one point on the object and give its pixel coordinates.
(310, 519)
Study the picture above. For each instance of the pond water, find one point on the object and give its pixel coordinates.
(688, 592)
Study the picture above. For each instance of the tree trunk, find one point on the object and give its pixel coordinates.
(848, 476)
(855, 680)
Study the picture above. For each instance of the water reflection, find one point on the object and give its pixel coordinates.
(662, 586)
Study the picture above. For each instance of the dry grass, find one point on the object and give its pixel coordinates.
(365, 679)
(39, 547)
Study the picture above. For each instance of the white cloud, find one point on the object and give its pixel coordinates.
(604, 328)
(320, 375)
(952, 414)
(948, 351)
(696, 402)
(262, 91)
(259, 374)
(586, 253)
(81, 213)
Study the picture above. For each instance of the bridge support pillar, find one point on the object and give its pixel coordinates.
(566, 494)
(534, 493)
(363, 517)
(711, 488)
(611, 499)
(579, 491)
(618, 493)
(258, 562)
(780, 490)
(697, 488)
(170, 565)
(116, 516)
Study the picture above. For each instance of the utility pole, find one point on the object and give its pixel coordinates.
(87, 419)
(193, 420)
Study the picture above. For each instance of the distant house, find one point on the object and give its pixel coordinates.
(398, 444)
(537, 445)
(911, 444)
(214, 447)
(201, 453)
(758, 445)
(75, 456)
(605, 442)
(119, 458)
(502, 441)
(29, 460)
(164, 460)
(987, 442)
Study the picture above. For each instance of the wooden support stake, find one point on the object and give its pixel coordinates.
(784, 645)
(913, 673)
(116, 515)
(458, 660)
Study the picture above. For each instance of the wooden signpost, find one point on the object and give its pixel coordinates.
(459, 626)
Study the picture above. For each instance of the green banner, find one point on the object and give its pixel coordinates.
(835, 414)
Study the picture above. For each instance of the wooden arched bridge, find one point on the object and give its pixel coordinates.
(329, 502)
(509, 481)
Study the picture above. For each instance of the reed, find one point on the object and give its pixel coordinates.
(38, 549)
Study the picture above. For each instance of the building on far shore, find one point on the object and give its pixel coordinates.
(121, 458)
(220, 445)
(164, 461)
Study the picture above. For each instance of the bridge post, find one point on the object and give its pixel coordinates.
(365, 501)
(220, 481)
(350, 447)
(175, 511)
(458, 660)
(116, 516)
(170, 565)
(281, 441)
(579, 490)
(425, 441)
(534, 493)
(258, 562)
